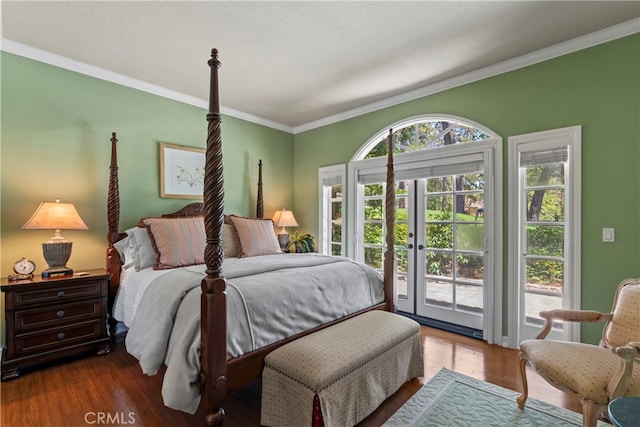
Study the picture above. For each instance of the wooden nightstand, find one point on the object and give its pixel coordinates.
(52, 318)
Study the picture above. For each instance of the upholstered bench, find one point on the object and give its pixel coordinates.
(340, 374)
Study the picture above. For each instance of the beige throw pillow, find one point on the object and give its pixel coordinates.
(176, 241)
(256, 236)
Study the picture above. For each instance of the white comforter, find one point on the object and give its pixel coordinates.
(268, 298)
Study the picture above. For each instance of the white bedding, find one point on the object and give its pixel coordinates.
(132, 286)
(268, 298)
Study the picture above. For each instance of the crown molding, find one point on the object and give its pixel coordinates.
(599, 37)
(564, 48)
(26, 51)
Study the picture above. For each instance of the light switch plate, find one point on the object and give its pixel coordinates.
(609, 235)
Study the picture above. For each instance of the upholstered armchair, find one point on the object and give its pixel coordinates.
(597, 374)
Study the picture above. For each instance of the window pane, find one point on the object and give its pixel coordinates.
(402, 286)
(545, 275)
(439, 207)
(437, 185)
(470, 237)
(402, 234)
(402, 187)
(472, 181)
(473, 207)
(427, 132)
(404, 139)
(469, 298)
(336, 232)
(439, 236)
(402, 260)
(439, 292)
(545, 205)
(545, 240)
(336, 249)
(439, 264)
(373, 233)
(470, 267)
(373, 209)
(552, 174)
(402, 203)
(336, 210)
(373, 257)
(336, 191)
(535, 303)
(373, 190)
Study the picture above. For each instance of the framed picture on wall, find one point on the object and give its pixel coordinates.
(181, 171)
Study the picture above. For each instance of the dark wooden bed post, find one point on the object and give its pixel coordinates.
(213, 322)
(113, 221)
(389, 271)
(259, 204)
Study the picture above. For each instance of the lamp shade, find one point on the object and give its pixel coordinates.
(284, 218)
(55, 216)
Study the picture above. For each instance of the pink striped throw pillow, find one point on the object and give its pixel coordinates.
(177, 241)
(256, 236)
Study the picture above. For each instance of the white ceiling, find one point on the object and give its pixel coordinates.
(293, 64)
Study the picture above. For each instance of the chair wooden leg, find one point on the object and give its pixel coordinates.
(590, 413)
(522, 363)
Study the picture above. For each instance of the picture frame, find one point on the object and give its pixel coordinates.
(181, 171)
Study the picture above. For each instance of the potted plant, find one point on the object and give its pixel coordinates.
(302, 242)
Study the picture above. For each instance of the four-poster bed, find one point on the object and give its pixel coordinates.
(220, 372)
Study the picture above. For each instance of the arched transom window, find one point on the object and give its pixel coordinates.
(425, 133)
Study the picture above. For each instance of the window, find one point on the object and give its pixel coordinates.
(425, 134)
(544, 229)
(331, 181)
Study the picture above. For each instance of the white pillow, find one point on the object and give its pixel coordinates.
(124, 250)
(141, 248)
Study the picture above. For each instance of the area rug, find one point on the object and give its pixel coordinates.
(453, 399)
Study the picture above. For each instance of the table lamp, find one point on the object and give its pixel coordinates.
(56, 216)
(284, 218)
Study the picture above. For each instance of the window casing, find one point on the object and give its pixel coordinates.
(331, 210)
(544, 230)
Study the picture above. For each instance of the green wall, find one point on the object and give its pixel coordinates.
(56, 130)
(597, 88)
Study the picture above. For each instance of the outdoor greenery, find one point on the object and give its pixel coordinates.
(545, 224)
(426, 135)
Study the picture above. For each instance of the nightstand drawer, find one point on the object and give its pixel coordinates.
(58, 315)
(57, 294)
(57, 337)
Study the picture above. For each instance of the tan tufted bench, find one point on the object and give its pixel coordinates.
(342, 373)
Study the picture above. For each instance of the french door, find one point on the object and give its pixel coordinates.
(443, 250)
(442, 239)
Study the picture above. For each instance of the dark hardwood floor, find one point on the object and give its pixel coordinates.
(111, 390)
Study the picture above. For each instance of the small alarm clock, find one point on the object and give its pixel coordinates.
(24, 269)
